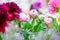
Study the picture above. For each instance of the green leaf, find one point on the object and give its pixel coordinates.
(39, 27)
(56, 26)
(17, 22)
(27, 25)
(33, 22)
(26, 35)
(39, 20)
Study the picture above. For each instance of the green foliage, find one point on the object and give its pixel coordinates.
(25, 34)
(55, 25)
(17, 22)
(39, 26)
(1, 37)
(27, 25)
(33, 22)
(32, 27)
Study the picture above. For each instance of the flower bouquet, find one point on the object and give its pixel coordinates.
(29, 23)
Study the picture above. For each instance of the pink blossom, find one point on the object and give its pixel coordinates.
(23, 17)
(53, 4)
(47, 20)
(33, 13)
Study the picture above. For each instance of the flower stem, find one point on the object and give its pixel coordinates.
(1, 37)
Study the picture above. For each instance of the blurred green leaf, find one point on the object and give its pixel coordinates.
(0, 37)
(17, 22)
(25, 34)
(39, 20)
(33, 22)
(56, 26)
(39, 26)
(27, 25)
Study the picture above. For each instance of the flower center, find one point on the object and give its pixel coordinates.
(33, 11)
(58, 19)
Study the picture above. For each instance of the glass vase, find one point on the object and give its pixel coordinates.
(27, 36)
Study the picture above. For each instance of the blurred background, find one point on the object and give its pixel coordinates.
(25, 5)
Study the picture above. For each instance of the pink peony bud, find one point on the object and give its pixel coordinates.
(33, 13)
(47, 20)
(23, 17)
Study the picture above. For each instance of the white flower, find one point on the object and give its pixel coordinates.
(58, 19)
(57, 16)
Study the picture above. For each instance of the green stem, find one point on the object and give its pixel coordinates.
(26, 37)
(33, 22)
(1, 37)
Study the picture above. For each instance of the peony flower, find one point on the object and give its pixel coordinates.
(36, 5)
(14, 10)
(23, 17)
(8, 11)
(33, 13)
(47, 20)
(53, 4)
(13, 7)
(3, 17)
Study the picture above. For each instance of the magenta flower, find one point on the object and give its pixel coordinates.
(13, 7)
(53, 4)
(14, 10)
(8, 11)
(3, 17)
(36, 5)
(10, 17)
